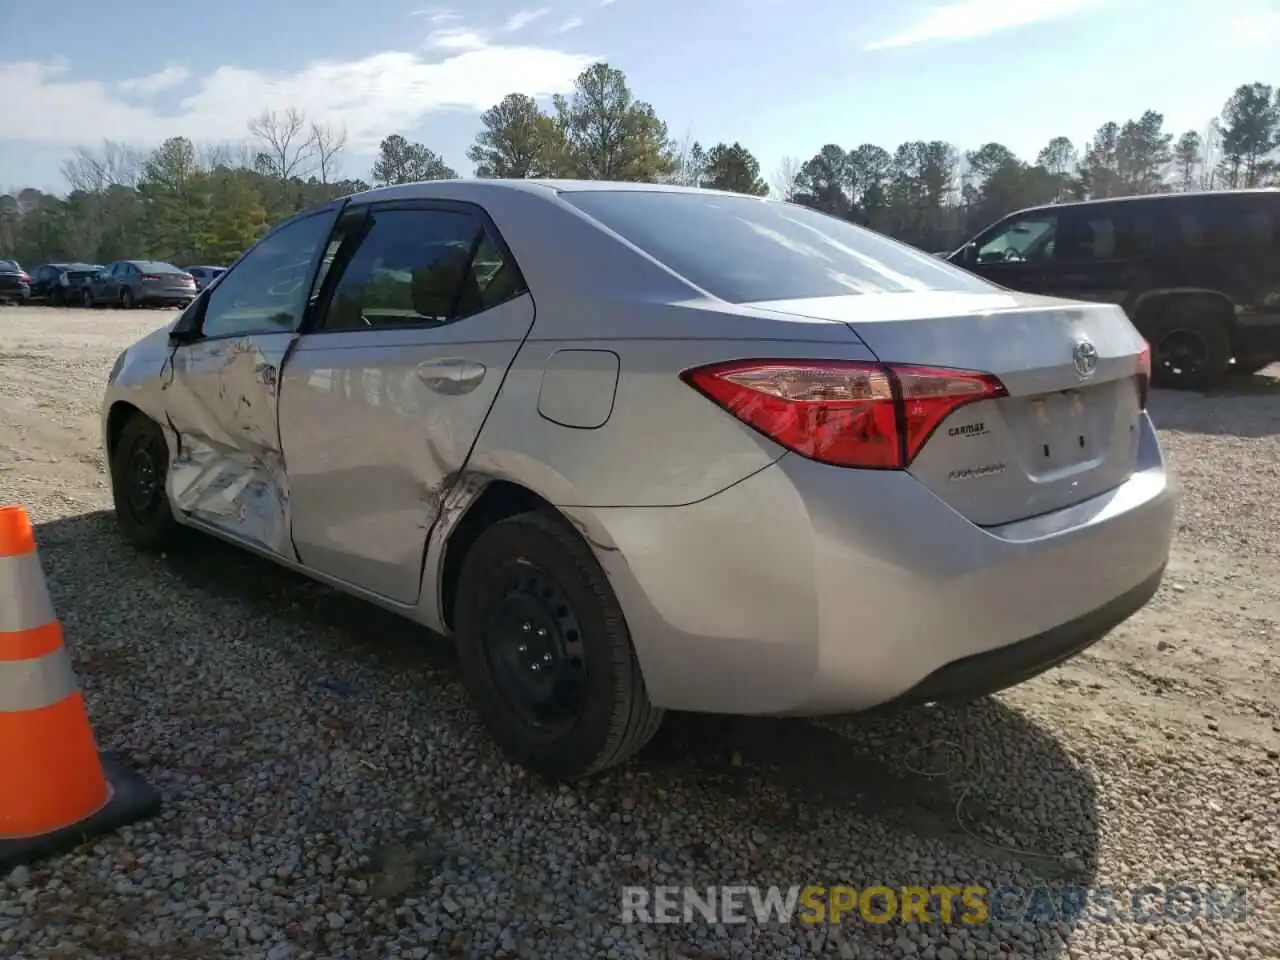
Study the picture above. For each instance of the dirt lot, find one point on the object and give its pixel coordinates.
(329, 795)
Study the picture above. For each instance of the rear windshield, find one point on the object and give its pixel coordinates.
(155, 266)
(743, 250)
(9, 265)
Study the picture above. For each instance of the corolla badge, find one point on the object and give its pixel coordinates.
(1085, 358)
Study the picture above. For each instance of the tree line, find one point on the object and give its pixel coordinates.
(194, 203)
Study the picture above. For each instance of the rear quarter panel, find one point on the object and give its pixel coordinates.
(663, 443)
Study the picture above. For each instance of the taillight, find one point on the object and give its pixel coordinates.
(1144, 374)
(841, 412)
(25, 278)
(148, 276)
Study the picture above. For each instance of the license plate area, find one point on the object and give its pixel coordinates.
(1065, 430)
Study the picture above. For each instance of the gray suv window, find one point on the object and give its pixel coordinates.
(742, 250)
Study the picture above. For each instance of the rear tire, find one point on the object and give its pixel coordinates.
(545, 651)
(126, 299)
(139, 467)
(1190, 346)
(86, 299)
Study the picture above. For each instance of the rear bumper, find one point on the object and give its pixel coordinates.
(984, 673)
(1258, 336)
(14, 291)
(809, 590)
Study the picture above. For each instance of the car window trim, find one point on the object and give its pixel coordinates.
(484, 226)
(201, 303)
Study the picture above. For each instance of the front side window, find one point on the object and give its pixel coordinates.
(415, 267)
(1020, 240)
(744, 250)
(267, 290)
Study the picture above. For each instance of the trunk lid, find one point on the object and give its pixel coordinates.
(1061, 436)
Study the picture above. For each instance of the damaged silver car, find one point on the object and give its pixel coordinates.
(639, 448)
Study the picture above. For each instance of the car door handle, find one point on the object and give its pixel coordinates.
(451, 377)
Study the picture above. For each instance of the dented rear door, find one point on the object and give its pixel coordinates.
(221, 392)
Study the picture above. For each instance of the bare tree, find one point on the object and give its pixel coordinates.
(1212, 156)
(230, 154)
(286, 140)
(784, 178)
(117, 165)
(329, 141)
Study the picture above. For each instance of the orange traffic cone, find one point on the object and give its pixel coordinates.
(55, 789)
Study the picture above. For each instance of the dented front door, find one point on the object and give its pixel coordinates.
(222, 404)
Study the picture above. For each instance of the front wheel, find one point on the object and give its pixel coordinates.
(86, 298)
(545, 652)
(139, 466)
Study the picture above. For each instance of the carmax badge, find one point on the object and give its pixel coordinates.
(977, 473)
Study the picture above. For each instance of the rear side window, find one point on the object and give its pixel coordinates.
(742, 250)
(1207, 223)
(415, 267)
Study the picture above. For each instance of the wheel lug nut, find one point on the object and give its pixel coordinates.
(542, 631)
(526, 626)
(546, 658)
(523, 648)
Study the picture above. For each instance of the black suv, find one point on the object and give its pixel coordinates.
(1197, 273)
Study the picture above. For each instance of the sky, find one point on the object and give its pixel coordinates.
(781, 77)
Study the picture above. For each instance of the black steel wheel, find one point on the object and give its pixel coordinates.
(139, 466)
(533, 643)
(545, 652)
(1190, 347)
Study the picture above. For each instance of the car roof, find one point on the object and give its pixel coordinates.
(1146, 198)
(428, 189)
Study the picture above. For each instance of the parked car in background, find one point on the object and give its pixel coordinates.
(135, 283)
(1197, 273)
(205, 275)
(642, 448)
(15, 285)
(61, 283)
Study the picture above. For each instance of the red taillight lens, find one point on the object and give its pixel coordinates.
(148, 276)
(25, 278)
(845, 413)
(1144, 374)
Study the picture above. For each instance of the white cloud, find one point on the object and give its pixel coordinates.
(371, 96)
(522, 18)
(573, 23)
(166, 79)
(435, 15)
(456, 38)
(1254, 30)
(970, 19)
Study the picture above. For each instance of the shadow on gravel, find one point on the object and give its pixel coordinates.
(942, 795)
(981, 779)
(1244, 407)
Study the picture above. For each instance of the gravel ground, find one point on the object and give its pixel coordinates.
(328, 793)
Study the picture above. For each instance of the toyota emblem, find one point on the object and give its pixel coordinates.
(1085, 358)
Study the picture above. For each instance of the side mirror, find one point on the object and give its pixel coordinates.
(187, 329)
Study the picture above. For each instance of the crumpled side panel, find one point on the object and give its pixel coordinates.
(229, 471)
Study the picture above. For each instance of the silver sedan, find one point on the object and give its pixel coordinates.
(640, 448)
